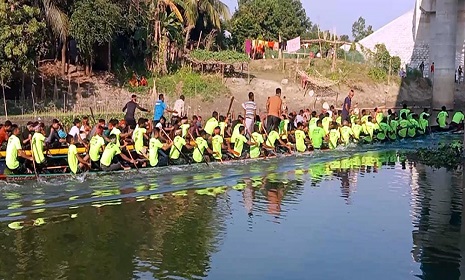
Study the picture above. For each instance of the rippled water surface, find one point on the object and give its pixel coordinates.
(344, 214)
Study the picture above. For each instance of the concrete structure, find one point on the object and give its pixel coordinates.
(434, 31)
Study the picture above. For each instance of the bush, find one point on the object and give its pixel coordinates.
(377, 74)
(191, 83)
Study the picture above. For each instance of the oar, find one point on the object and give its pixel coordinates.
(34, 161)
(190, 134)
(132, 158)
(92, 115)
(230, 105)
(183, 155)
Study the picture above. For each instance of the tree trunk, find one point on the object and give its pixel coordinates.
(4, 98)
(188, 36)
(109, 56)
(63, 58)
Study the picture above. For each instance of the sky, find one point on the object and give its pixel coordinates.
(341, 14)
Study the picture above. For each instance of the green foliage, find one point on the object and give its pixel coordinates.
(444, 156)
(190, 83)
(21, 35)
(94, 22)
(383, 63)
(377, 74)
(221, 56)
(344, 38)
(359, 30)
(267, 19)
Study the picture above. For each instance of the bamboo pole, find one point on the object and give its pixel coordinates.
(4, 98)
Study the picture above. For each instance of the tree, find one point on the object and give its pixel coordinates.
(21, 33)
(94, 22)
(268, 19)
(359, 31)
(344, 38)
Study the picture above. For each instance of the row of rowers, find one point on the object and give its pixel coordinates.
(115, 146)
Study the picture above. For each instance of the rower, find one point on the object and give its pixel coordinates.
(403, 125)
(157, 156)
(201, 145)
(184, 127)
(96, 147)
(37, 146)
(368, 129)
(257, 141)
(394, 124)
(312, 123)
(442, 118)
(273, 136)
(326, 122)
(379, 116)
(13, 150)
(223, 123)
(176, 149)
(414, 126)
(76, 130)
(346, 132)
(457, 121)
(384, 130)
(236, 125)
(300, 136)
(404, 112)
(108, 162)
(334, 136)
(283, 127)
(365, 115)
(139, 134)
(239, 143)
(218, 144)
(424, 120)
(4, 131)
(211, 123)
(318, 135)
(112, 127)
(357, 129)
(76, 163)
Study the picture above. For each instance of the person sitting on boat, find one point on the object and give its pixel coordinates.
(85, 128)
(424, 120)
(139, 134)
(404, 125)
(318, 136)
(184, 127)
(300, 138)
(273, 140)
(414, 126)
(157, 150)
(201, 145)
(457, 121)
(101, 124)
(442, 119)
(239, 151)
(5, 134)
(76, 163)
(13, 151)
(113, 128)
(26, 136)
(235, 128)
(76, 131)
(176, 150)
(334, 136)
(57, 136)
(404, 112)
(96, 147)
(257, 142)
(37, 147)
(346, 133)
(109, 160)
(218, 145)
(211, 123)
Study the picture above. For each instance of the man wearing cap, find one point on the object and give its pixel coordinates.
(130, 109)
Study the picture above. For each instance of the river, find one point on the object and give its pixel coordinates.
(344, 214)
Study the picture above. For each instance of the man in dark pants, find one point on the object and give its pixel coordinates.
(274, 106)
(347, 106)
(130, 109)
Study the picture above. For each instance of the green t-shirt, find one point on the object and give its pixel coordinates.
(346, 132)
(403, 128)
(412, 130)
(424, 123)
(317, 137)
(222, 126)
(442, 119)
(272, 137)
(300, 140)
(255, 147)
(72, 158)
(334, 136)
(202, 144)
(364, 119)
(178, 143)
(154, 145)
(326, 122)
(357, 129)
(14, 145)
(217, 145)
(384, 131)
(184, 129)
(405, 112)
(283, 128)
(379, 117)
(210, 125)
(311, 125)
(235, 132)
(458, 117)
(117, 132)
(369, 128)
(111, 150)
(239, 144)
(96, 144)
(339, 120)
(138, 136)
(37, 147)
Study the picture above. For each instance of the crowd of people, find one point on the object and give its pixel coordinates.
(121, 144)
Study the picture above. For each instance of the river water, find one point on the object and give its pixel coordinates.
(345, 214)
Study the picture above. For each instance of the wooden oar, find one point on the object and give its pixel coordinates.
(132, 158)
(92, 115)
(190, 134)
(230, 105)
(183, 155)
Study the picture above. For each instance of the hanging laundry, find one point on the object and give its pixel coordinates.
(248, 46)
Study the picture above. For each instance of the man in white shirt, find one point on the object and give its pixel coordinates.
(250, 111)
(76, 130)
(179, 108)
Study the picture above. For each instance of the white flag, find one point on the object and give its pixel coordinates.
(293, 45)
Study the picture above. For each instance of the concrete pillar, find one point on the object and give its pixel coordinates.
(444, 45)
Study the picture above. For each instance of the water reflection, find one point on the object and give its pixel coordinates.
(201, 224)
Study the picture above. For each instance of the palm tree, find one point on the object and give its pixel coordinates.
(211, 10)
(58, 22)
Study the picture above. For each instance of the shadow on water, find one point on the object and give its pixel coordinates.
(195, 222)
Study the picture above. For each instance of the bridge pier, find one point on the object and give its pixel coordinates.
(444, 42)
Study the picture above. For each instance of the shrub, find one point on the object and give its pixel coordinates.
(377, 74)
